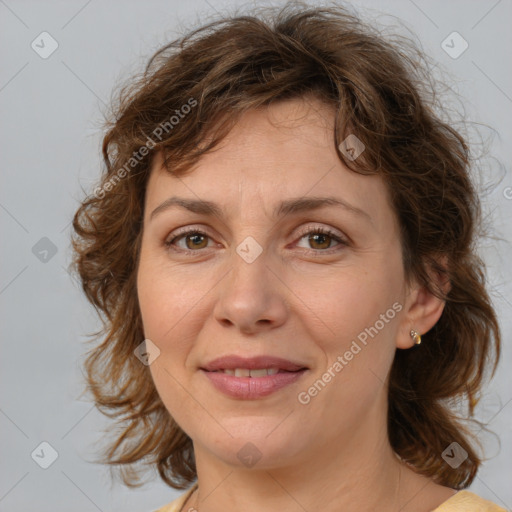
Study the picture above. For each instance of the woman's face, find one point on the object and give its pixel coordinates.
(263, 281)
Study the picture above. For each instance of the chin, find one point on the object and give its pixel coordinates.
(258, 444)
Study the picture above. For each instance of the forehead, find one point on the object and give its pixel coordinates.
(284, 151)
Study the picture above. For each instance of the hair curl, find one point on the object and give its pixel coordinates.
(381, 91)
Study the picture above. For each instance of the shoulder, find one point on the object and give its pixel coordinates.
(175, 506)
(465, 501)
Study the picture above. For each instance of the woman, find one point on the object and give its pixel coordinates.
(283, 248)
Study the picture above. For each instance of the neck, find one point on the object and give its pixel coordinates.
(360, 477)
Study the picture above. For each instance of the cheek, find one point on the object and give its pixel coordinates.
(355, 318)
(358, 349)
(172, 310)
(344, 304)
(166, 297)
(172, 389)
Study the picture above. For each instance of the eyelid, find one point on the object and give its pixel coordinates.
(323, 229)
(186, 229)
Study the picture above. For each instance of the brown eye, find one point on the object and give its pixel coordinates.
(320, 239)
(193, 239)
(196, 241)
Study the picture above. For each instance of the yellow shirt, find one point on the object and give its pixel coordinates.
(462, 501)
(176, 505)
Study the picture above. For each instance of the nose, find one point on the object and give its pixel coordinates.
(252, 296)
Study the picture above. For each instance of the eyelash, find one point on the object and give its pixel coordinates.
(307, 231)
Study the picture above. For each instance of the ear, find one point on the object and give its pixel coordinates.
(422, 309)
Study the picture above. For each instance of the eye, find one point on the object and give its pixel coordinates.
(322, 238)
(194, 239)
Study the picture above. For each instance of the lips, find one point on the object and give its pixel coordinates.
(252, 378)
(233, 362)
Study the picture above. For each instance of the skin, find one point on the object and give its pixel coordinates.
(303, 298)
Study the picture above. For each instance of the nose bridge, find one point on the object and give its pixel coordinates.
(250, 261)
(251, 296)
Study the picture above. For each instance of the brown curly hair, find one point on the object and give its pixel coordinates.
(183, 104)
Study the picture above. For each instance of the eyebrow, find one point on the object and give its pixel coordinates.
(290, 206)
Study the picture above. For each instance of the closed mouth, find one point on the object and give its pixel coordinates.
(254, 373)
(255, 366)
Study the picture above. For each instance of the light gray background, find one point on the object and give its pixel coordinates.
(50, 117)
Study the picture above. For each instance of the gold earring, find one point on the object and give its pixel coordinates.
(416, 337)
